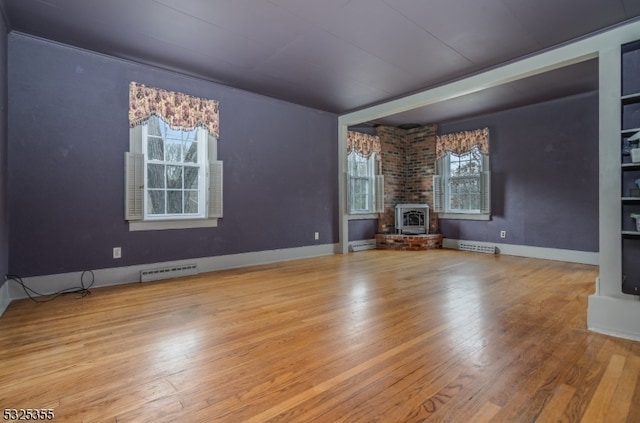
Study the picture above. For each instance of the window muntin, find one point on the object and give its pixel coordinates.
(175, 169)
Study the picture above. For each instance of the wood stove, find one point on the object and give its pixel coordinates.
(412, 219)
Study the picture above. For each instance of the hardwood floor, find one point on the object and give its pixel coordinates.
(435, 336)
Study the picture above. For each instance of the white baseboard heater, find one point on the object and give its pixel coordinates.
(168, 272)
(476, 247)
(363, 245)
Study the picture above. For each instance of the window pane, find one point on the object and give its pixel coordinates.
(466, 164)
(362, 169)
(171, 134)
(155, 176)
(155, 148)
(154, 126)
(174, 151)
(360, 194)
(191, 202)
(465, 202)
(156, 202)
(468, 168)
(191, 177)
(454, 167)
(174, 202)
(174, 177)
(359, 165)
(190, 146)
(464, 193)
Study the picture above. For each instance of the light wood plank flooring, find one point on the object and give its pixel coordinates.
(375, 336)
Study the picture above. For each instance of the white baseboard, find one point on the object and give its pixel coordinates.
(571, 256)
(614, 316)
(49, 284)
(5, 300)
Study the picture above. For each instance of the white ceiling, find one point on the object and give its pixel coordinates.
(336, 55)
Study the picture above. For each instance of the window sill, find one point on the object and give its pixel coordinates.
(161, 225)
(464, 216)
(363, 216)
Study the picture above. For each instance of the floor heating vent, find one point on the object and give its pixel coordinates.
(477, 248)
(363, 245)
(168, 272)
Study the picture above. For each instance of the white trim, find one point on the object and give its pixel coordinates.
(49, 284)
(5, 299)
(364, 216)
(571, 256)
(614, 316)
(610, 207)
(161, 225)
(343, 204)
(464, 216)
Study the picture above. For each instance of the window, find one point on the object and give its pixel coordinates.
(365, 188)
(174, 181)
(462, 189)
(360, 183)
(172, 176)
(464, 173)
(175, 170)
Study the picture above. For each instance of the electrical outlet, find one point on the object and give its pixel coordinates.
(117, 252)
(503, 234)
(316, 235)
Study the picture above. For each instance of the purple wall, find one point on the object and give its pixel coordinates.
(68, 132)
(4, 209)
(544, 186)
(362, 229)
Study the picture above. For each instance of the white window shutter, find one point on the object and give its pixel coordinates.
(485, 192)
(379, 195)
(438, 194)
(136, 134)
(215, 190)
(134, 186)
(347, 178)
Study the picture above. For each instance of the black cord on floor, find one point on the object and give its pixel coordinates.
(43, 298)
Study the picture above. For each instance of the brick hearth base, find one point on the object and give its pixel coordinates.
(408, 242)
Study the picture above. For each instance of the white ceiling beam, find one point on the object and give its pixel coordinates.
(576, 52)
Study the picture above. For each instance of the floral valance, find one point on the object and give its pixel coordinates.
(179, 110)
(462, 142)
(363, 144)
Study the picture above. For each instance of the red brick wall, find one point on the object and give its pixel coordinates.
(393, 152)
(408, 162)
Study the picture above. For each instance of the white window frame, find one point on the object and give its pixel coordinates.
(375, 186)
(135, 183)
(442, 193)
(201, 164)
